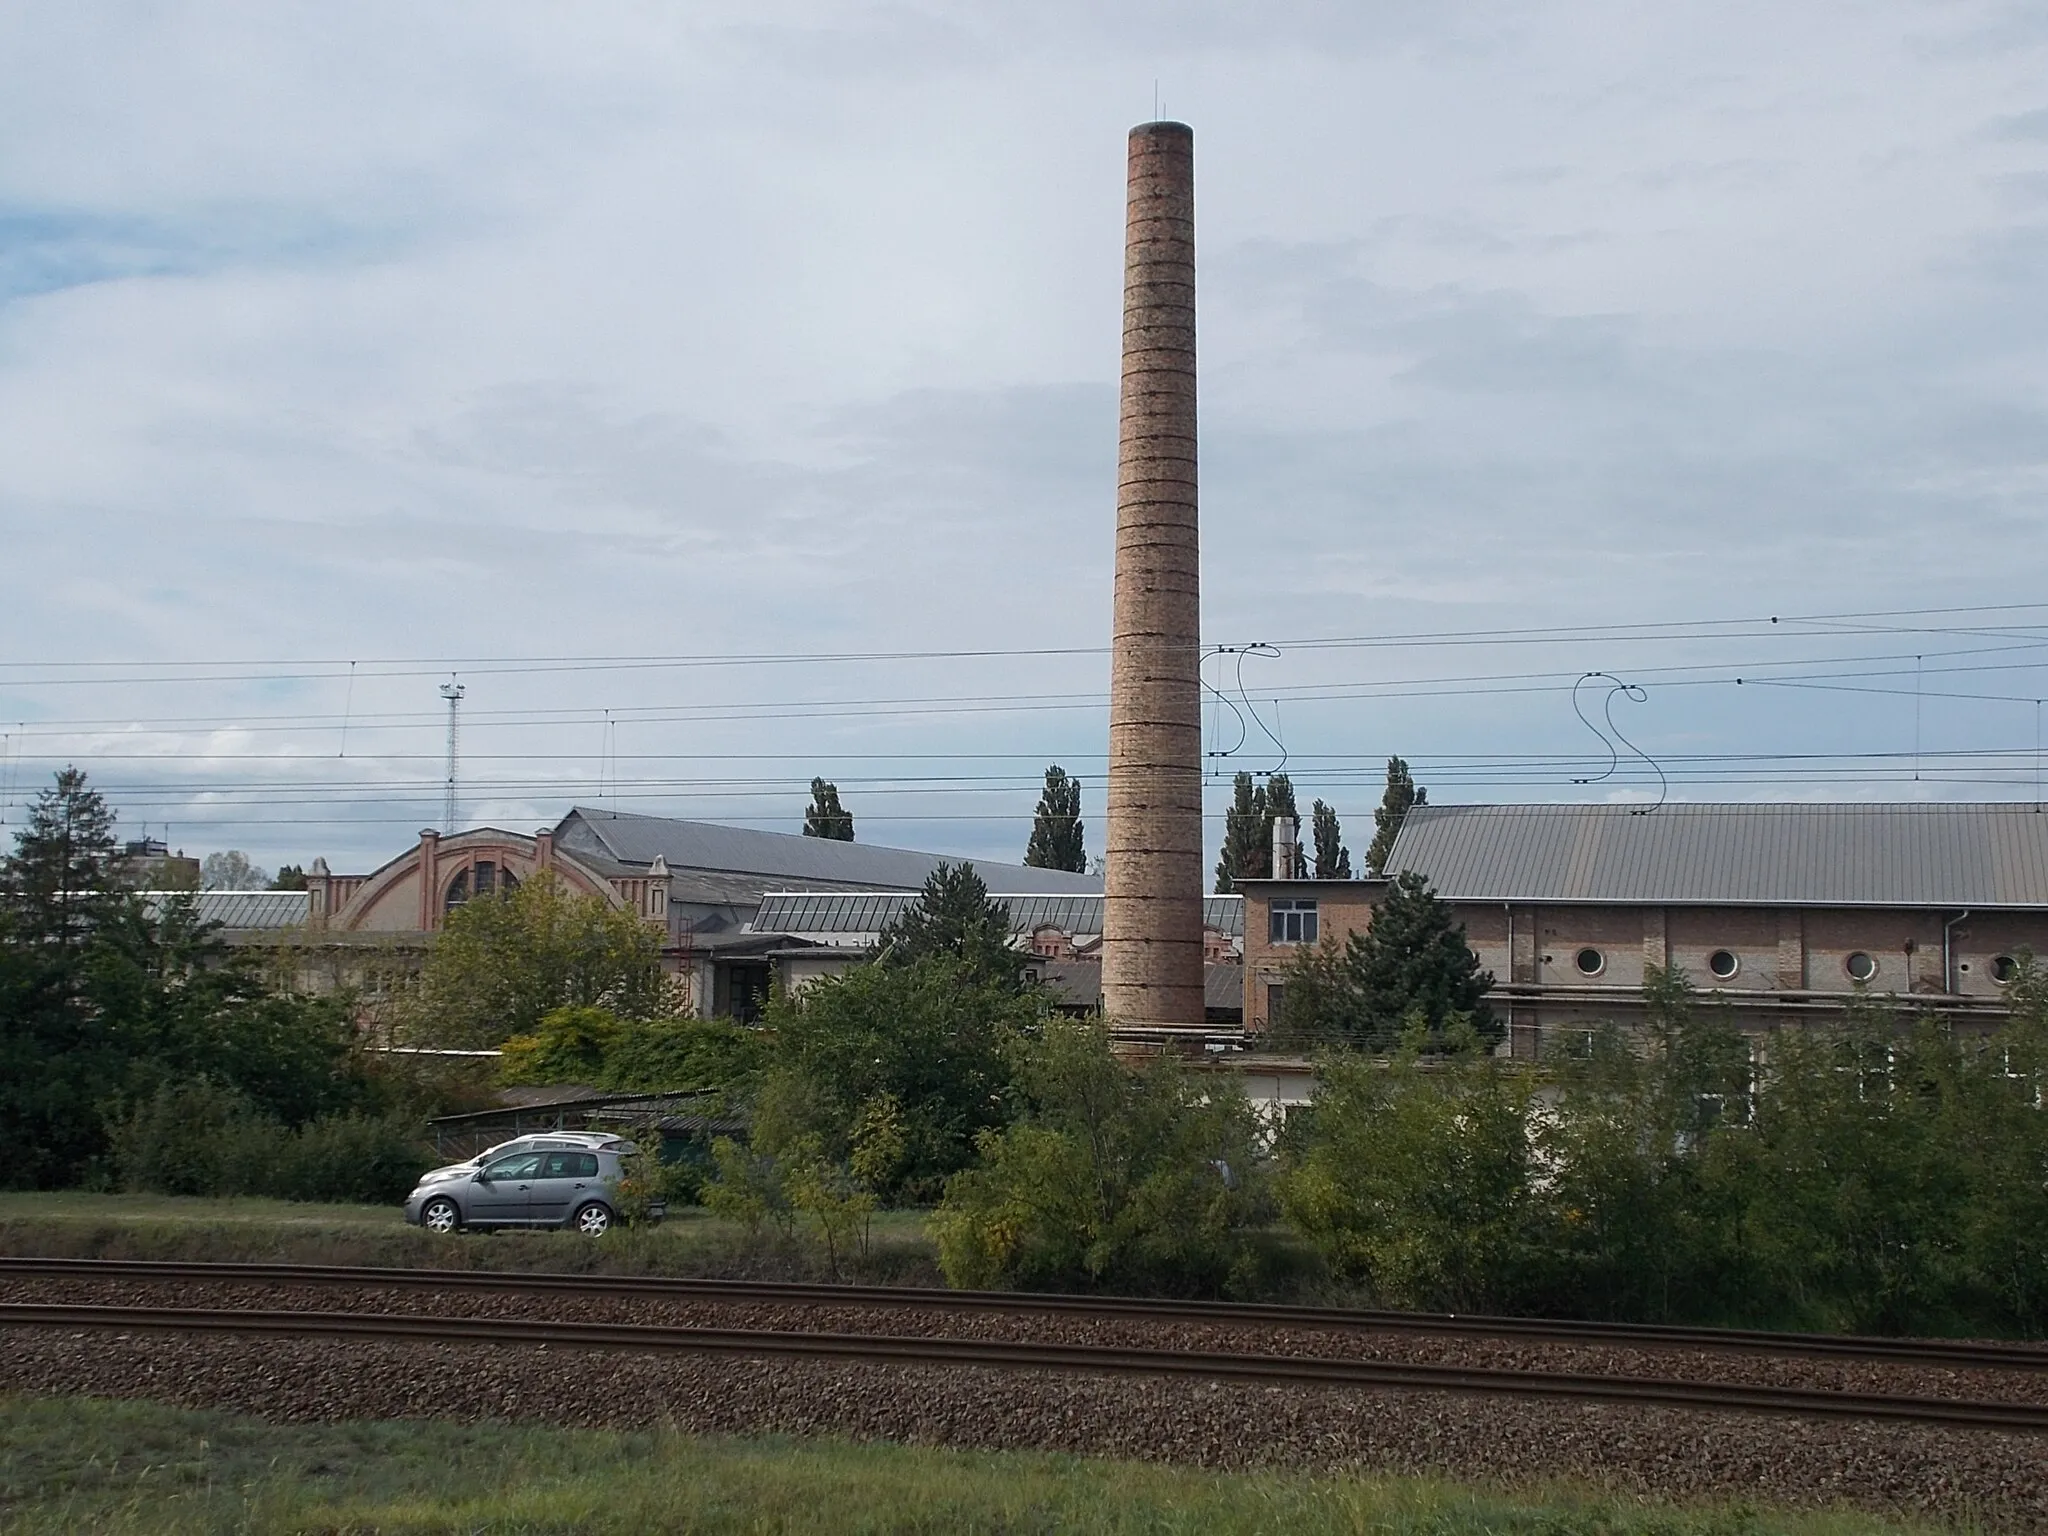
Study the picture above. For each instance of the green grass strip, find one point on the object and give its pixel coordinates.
(75, 1464)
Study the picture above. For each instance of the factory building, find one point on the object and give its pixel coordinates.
(1785, 913)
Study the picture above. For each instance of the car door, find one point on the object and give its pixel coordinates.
(502, 1192)
(565, 1180)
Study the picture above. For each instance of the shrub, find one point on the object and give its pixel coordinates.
(199, 1138)
(1116, 1178)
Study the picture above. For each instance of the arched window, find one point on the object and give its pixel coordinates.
(458, 891)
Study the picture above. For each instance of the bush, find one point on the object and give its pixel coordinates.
(200, 1138)
(1137, 1180)
(1418, 1180)
(664, 1055)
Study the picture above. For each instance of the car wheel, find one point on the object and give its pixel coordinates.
(440, 1215)
(594, 1220)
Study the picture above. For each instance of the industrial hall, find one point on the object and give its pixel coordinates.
(1785, 913)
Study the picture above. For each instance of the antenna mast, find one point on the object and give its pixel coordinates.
(452, 692)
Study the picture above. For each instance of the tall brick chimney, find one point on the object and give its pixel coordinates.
(1152, 917)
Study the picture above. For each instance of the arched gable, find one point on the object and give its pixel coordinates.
(411, 893)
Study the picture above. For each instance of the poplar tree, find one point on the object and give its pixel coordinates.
(1333, 859)
(1247, 837)
(1402, 795)
(825, 816)
(1280, 802)
(1058, 840)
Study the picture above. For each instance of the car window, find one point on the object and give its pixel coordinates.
(520, 1165)
(569, 1165)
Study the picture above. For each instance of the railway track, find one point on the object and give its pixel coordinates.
(1011, 1355)
(1956, 1354)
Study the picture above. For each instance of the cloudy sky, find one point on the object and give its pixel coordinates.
(725, 395)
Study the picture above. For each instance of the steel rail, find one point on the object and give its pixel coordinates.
(1961, 1354)
(1011, 1355)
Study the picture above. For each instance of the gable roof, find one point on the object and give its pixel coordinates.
(1914, 854)
(624, 838)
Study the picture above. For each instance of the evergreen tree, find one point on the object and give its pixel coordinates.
(56, 888)
(290, 877)
(1333, 859)
(1247, 839)
(1402, 793)
(1411, 970)
(1413, 961)
(825, 816)
(1057, 836)
(1280, 802)
(954, 918)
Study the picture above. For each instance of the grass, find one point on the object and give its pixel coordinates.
(75, 1464)
(78, 1224)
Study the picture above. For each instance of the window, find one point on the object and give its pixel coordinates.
(1590, 962)
(1276, 999)
(2005, 970)
(1723, 964)
(458, 891)
(569, 1165)
(1292, 922)
(520, 1165)
(1860, 966)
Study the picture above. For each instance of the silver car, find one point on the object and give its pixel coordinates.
(558, 1180)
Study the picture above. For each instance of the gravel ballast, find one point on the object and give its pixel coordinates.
(1812, 1373)
(1662, 1452)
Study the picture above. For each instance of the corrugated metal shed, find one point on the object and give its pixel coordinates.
(1899, 855)
(633, 841)
(243, 910)
(819, 913)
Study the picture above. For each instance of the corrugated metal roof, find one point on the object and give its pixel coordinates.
(824, 912)
(243, 909)
(629, 839)
(1910, 855)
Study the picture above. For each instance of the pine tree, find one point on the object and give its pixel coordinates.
(1058, 840)
(954, 917)
(1333, 859)
(825, 816)
(1402, 794)
(1247, 838)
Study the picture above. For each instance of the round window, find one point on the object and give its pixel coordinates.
(1591, 962)
(2005, 969)
(1860, 966)
(1723, 963)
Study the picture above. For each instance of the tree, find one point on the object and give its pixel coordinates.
(1402, 794)
(1419, 1181)
(232, 871)
(290, 877)
(1057, 836)
(955, 918)
(104, 1000)
(1280, 802)
(1333, 859)
(921, 1046)
(1247, 836)
(504, 962)
(1136, 1179)
(1410, 970)
(825, 816)
(56, 886)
